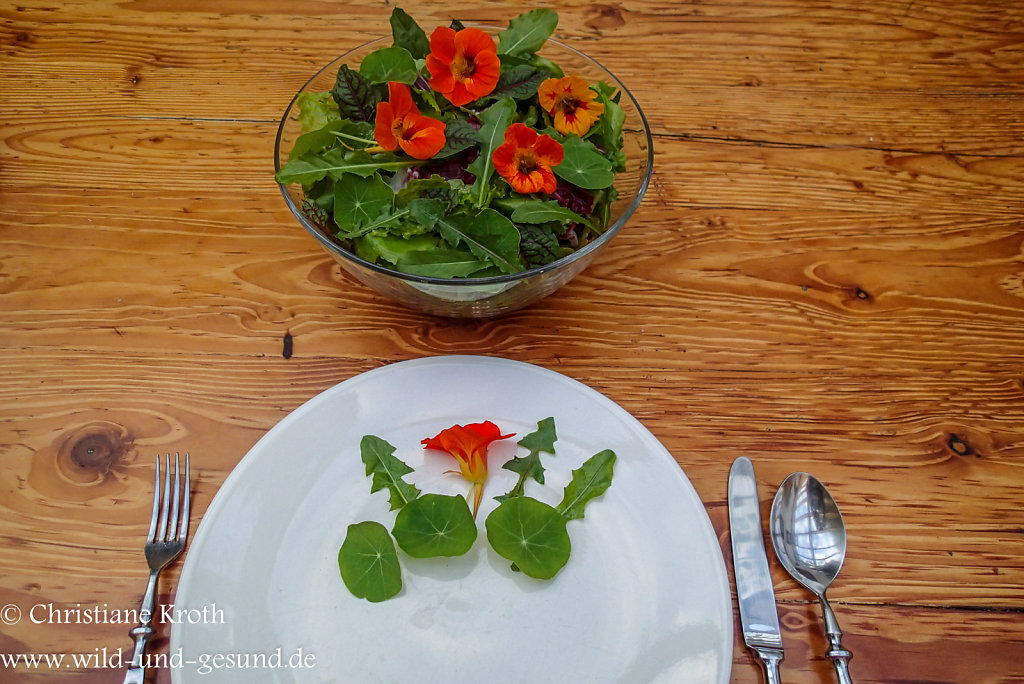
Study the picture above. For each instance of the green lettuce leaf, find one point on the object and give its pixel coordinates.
(518, 82)
(541, 439)
(441, 263)
(528, 32)
(389, 64)
(427, 211)
(494, 121)
(355, 134)
(317, 110)
(408, 34)
(488, 235)
(387, 471)
(392, 248)
(607, 132)
(422, 188)
(588, 481)
(544, 211)
(337, 162)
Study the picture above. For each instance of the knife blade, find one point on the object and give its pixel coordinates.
(755, 594)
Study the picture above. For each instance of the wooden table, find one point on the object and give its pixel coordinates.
(827, 274)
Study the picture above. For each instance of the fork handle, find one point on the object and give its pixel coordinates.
(137, 670)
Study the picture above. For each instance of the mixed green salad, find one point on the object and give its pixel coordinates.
(462, 154)
(530, 534)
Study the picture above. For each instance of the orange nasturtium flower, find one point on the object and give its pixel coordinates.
(468, 445)
(526, 158)
(570, 102)
(463, 64)
(400, 124)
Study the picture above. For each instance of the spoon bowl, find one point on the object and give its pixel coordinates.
(808, 532)
(809, 537)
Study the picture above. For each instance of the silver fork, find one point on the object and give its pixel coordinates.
(163, 544)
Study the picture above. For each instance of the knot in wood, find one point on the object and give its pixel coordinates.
(87, 453)
(960, 447)
(607, 17)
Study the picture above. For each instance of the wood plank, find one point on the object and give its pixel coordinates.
(827, 275)
(921, 97)
(815, 293)
(931, 648)
(82, 434)
(724, 41)
(178, 155)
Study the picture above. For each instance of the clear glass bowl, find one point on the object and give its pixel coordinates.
(480, 297)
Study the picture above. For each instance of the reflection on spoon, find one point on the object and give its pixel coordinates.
(809, 537)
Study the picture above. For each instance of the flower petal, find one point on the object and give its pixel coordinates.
(463, 65)
(570, 102)
(442, 44)
(504, 159)
(488, 431)
(486, 72)
(473, 42)
(549, 152)
(441, 79)
(520, 135)
(525, 159)
(423, 137)
(548, 93)
(549, 183)
(383, 127)
(528, 183)
(400, 99)
(577, 88)
(468, 445)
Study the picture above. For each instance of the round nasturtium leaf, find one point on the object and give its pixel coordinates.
(369, 563)
(434, 525)
(531, 534)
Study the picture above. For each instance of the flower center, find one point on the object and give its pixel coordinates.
(526, 162)
(398, 127)
(462, 67)
(567, 104)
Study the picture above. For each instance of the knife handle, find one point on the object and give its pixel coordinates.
(770, 659)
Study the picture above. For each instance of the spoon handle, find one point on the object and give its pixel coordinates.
(839, 656)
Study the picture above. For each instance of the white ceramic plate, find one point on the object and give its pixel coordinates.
(644, 596)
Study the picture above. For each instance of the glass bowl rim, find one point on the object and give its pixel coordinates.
(588, 249)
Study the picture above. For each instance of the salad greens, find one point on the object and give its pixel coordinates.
(528, 532)
(387, 471)
(489, 162)
(531, 534)
(435, 525)
(369, 563)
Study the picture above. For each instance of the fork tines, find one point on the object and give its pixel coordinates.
(164, 526)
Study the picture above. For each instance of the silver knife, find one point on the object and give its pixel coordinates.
(758, 614)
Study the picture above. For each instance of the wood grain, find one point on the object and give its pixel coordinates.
(827, 274)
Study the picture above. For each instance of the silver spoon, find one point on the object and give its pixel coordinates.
(810, 541)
